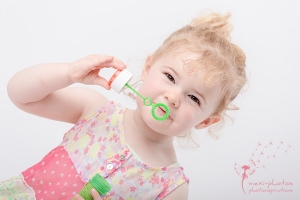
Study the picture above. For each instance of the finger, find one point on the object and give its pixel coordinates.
(104, 58)
(102, 82)
(107, 63)
(77, 197)
(108, 58)
(95, 195)
(115, 63)
(98, 60)
(119, 61)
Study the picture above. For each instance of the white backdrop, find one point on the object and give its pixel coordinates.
(266, 129)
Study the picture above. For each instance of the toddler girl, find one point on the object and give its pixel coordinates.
(197, 72)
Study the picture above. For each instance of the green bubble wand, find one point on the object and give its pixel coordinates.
(120, 79)
(148, 102)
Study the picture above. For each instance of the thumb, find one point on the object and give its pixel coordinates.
(95, 195)
(102, 82)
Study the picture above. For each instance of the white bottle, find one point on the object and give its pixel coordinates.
(119, 80)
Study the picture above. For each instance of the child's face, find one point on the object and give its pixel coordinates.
(190, 101)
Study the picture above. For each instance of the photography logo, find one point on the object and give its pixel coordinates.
(258, 160)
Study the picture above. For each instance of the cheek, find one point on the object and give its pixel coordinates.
(146, 115)
(151, 88)
(189, 116)
(139, 102)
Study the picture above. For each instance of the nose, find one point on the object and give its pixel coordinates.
(172, 96)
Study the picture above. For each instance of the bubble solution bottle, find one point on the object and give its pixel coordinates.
(98, 183)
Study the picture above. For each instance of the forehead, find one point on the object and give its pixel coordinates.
(195, 64)
(188, 65)
(183, 55)
(181, 59)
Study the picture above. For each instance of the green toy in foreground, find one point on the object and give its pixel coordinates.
(98, 183)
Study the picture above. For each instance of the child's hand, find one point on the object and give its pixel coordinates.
(94, 194)
(86, 69)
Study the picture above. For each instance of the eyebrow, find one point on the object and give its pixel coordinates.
(202, 96)
(172, 70)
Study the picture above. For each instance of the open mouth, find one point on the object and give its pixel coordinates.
(161, 111)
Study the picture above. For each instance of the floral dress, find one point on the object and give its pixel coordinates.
(95, 144)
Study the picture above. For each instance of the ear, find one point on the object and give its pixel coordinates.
(209, 121)
(147, 66)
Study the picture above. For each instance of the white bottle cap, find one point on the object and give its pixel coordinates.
(119, 79)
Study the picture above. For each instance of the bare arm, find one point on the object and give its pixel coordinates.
(180, 193)
(42, 89)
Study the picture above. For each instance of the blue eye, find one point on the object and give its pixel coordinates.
(170, 77)
(195, 99)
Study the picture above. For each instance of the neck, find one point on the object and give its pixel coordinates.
(154, 148)
(145, 132)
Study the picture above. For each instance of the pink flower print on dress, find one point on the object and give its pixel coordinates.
(110, 111)
(154, 180)
(88, 166)
(86, 150)
(132, 189)
(130, 166)
(76, 137)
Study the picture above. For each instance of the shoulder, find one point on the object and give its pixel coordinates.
(180, 193)
(90, 99)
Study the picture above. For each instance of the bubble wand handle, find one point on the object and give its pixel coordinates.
(148, 102)
(121, 78)
(135, 91)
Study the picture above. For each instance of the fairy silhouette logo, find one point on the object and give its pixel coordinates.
(259, 157)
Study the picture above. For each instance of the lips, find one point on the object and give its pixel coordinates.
(161, 111)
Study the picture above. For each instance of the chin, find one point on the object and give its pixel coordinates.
(161, 127)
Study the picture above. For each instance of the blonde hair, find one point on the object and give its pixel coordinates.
(209, 36)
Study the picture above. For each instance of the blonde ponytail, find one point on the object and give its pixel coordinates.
(213, 23)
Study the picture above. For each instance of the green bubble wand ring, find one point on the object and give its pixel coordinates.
(148, 102)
